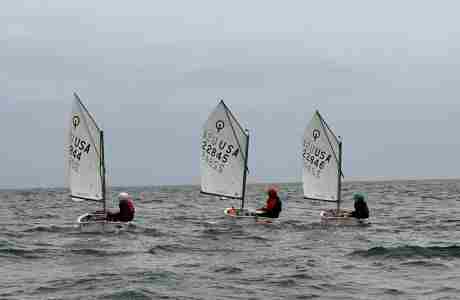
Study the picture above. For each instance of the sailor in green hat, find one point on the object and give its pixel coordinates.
(361, 210)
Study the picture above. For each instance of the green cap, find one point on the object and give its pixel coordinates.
(359, 196)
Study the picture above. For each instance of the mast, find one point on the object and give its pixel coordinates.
(245, 168)
(339, 182)
(102, 166)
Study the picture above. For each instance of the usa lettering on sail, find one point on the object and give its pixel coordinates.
(217, 153)
(314, 156)
(78, 146)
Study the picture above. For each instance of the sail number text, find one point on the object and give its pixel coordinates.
(315, 159)
(217, 153)
(78, 146)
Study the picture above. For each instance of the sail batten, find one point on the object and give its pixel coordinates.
(320, 161)
(223, 160)
(84, 155)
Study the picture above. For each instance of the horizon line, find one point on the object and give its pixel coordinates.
(257, 182)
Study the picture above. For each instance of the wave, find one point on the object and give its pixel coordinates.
(22, 253)
(99, 252)
(176, 248)
(147, 231)
(215, 231)
(50, 228)
(11, 234)
(87, 286)
(187, 265)
(43, 216)
(228, 270)
(285, 283)
(84, 286)
(298, 225)
(141, 294)
(423, 263)
(309, 296)
(237, 233)
(45, 250)
(392, 291)
(73, 229)
(32, 253)
(157, 277)
(252, 237)
(302, 276)
(409, 251)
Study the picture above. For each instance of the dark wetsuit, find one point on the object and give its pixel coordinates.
(125, 214)
(361, 210)
(273, 207)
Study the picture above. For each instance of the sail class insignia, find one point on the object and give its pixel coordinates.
(220, 125)
(316, 134)
(75, 121)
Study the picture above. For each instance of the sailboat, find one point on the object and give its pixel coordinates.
(86, 167)
(224, 159)
(322, 170)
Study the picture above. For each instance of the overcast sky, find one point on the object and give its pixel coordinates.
(384, 74)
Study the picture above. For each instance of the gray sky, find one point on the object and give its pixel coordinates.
(384, 74)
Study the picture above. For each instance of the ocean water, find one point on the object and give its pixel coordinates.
(182, 247)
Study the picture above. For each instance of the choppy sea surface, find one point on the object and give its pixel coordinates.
(182, 247)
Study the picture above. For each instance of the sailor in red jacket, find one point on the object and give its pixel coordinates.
(272, 207)
(126, 212)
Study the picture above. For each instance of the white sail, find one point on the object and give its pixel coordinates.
(320, 159)
(84, 155)
(224, 146)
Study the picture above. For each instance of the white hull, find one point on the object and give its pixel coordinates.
(89, 223)
(330, 217)
(246, 214)
(240, 213)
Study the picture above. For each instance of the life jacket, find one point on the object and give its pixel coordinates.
(274, 205)
(127, 210)
(277, 209)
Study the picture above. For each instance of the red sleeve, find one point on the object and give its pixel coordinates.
(131, 205)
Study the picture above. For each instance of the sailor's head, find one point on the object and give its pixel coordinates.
(123, 196)
(272, 192)
(359, 198)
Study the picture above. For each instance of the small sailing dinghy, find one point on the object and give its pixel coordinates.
(224, 159)
(86, 168)
(322, 170)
